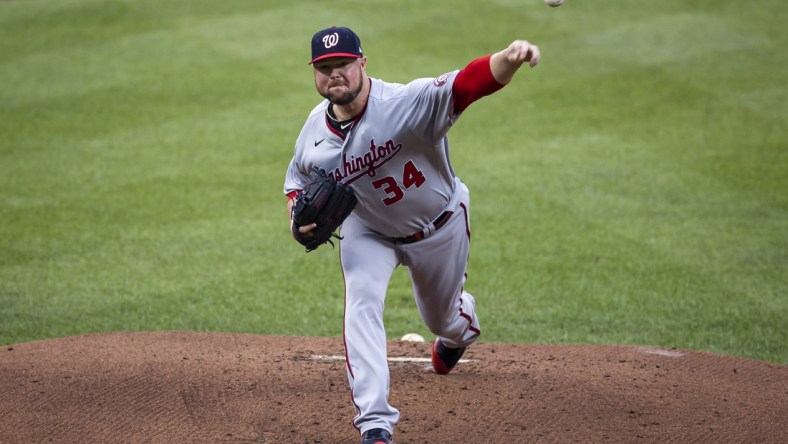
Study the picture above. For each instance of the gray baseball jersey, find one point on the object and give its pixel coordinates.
(396, 157)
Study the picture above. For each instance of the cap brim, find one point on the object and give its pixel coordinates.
(335, 54)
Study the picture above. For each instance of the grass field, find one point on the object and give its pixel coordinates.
(632, 189)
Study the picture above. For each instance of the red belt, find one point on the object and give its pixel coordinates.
(419, 235)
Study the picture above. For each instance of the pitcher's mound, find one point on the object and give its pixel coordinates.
(177, 387)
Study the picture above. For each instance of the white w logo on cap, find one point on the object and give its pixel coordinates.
(331, 40)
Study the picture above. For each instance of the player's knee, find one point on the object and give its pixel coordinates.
(366, 299)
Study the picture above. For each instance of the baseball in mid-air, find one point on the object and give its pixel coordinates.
(412, 337)
(554, 3)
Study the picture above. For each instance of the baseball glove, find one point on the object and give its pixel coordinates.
(324, 202)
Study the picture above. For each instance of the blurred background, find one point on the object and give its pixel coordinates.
(631, 189)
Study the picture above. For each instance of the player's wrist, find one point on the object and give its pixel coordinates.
(502, 67)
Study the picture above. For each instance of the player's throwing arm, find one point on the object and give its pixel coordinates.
(504, 64)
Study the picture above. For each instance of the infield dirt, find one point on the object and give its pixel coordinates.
(182, 387)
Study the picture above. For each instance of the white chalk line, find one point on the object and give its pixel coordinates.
(390, 359)
(646, 350)
(660, 352)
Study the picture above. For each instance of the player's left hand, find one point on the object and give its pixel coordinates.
(521, 51)
(505, 63)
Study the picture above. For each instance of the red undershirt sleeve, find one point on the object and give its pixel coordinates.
(474, 82)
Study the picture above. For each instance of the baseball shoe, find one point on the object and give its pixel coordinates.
(444, 358)
(376, 436)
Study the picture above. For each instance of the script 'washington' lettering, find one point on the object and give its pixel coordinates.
(356, 166)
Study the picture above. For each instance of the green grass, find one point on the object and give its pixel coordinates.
(631, 189)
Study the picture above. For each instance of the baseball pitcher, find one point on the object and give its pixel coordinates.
(385, 144)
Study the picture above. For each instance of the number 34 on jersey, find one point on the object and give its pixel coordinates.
(395, 190)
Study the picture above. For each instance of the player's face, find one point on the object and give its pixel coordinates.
(339, 79)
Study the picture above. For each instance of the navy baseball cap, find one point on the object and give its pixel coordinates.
(336, 41)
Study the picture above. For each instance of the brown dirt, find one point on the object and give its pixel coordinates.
(177, 387)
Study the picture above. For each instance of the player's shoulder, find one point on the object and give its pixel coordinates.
(318, 110)
(383, 90)
(315, 123)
